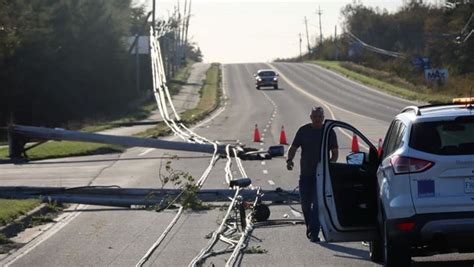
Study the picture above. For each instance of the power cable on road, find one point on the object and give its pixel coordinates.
(161, 95)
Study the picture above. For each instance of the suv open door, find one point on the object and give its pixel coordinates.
(346, 189)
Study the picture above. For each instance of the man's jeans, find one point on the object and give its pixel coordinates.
(309, 204)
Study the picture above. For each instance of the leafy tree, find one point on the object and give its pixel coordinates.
(63, 60)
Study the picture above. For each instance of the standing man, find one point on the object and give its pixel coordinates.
(309, 138)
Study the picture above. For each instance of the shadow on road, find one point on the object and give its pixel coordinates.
(271, 89)
(355, 253)
(98, 209)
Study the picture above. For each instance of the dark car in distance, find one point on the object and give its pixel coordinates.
(266, 77)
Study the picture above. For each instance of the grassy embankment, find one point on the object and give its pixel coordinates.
(209, 101)
(12, 208)
(385, 82)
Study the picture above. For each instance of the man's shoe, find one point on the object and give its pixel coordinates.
(315, 239)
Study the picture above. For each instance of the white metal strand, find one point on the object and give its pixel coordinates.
(160, 239)
(216, 233)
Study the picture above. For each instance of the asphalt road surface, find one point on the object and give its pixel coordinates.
(104, 236)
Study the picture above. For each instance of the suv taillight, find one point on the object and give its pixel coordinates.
(403, 165)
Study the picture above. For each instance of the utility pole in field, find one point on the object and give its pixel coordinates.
(335, 43)
(307, 36)
(301, 40)
(153, 16)
(320, 28)
(186, 19)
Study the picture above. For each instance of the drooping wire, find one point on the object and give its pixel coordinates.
(160, 91)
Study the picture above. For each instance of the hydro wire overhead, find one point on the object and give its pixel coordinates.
(376, 49)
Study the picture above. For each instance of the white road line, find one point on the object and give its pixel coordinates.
(296, 214)
(62, 221)
(146, 151)
(265, 172)
(263, 162)
(271, 182)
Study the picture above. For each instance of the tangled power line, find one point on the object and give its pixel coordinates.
(228, 231)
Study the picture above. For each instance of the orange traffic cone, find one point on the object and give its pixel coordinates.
(283, 136)
(379, 148)
(355, 144)
(256, 134)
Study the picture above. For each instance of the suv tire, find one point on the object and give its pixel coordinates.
(395, 254)
(275, 87)
(376, 251)
(258, 87)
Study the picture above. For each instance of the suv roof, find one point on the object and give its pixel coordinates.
(436, 111)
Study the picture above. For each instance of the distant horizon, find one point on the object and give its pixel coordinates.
(245, 31)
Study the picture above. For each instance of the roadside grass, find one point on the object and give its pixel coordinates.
(40, 219)
(385, 82)
(10, 209)
(209, 101)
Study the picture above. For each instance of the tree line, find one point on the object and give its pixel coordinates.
(64, 61)
(392, 41)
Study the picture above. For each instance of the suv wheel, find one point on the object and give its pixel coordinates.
(258, 87)
(275, 87)
(376, 251)
(395, 254)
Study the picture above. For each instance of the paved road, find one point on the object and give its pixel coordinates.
(108, 236)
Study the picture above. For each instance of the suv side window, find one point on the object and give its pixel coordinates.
(400, 134)
(392, 137)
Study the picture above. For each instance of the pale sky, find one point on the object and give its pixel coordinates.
(238, 31)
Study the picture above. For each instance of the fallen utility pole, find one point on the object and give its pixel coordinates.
(19, 135)
(126, 141)
(127, 197)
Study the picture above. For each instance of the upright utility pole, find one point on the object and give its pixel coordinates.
(137, 64)
(307, 35)
(335, 43)
(320, 28)
(153, 15)
(177, 37)
(187, 17)
(301, 40)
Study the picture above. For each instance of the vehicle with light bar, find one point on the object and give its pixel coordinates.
(412, 197)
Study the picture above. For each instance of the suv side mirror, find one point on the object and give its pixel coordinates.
(356, 158)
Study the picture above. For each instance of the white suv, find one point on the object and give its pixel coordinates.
(415, 197)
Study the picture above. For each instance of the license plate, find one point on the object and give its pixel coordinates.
(469, 185)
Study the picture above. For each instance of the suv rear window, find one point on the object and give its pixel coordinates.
(444, 137)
